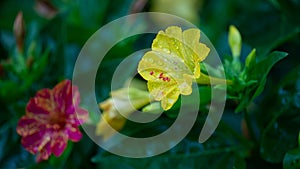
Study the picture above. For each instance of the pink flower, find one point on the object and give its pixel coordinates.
(52, 118)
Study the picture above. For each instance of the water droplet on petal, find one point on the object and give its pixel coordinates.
(150, 60)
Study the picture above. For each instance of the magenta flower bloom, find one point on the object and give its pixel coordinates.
(52, 118)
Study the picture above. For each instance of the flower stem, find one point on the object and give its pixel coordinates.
(205, 79)
(249, 126)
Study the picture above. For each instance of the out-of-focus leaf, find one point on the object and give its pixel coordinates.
(276, 140)
(299, 139)
(239, 163)
(280, 124)
(59, 162)
(261, 34)
(205, 98)
(224, 154)
(292, 159)
(181, 8)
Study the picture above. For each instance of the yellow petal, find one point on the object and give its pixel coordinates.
(109, 125)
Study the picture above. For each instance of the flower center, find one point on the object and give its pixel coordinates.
(57, 120)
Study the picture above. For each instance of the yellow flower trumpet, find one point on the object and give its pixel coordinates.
(173, 64)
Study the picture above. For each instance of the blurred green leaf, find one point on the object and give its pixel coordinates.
(280, 125)
(59, 162)
(292, 159)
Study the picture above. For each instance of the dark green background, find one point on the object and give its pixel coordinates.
(264, 25)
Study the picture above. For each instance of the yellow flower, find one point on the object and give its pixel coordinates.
(172, 64)
(127, 100)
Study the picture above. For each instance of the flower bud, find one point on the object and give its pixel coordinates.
(45, 9)
(251, 59)
(235, 41)
(19, 31)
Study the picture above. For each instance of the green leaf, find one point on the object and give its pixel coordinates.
(280, 120)
(263, 68)
(239, 163)
(275, 142)
(259, 72)
(292, 159)
(59, 162)
(223, 151)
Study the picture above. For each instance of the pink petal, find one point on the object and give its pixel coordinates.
(75, 96)
(44, 154)
(59, 144)
(44, 93)
(34, 142)
(82, 115)
(74, 133)
(62, 94)
(39, 106)
(28, 126)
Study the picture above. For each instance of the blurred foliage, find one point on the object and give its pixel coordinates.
(56, 30)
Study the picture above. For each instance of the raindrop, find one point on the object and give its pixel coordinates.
(150, 60)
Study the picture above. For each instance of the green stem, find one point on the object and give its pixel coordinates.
(205, 79)
(249, 126)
